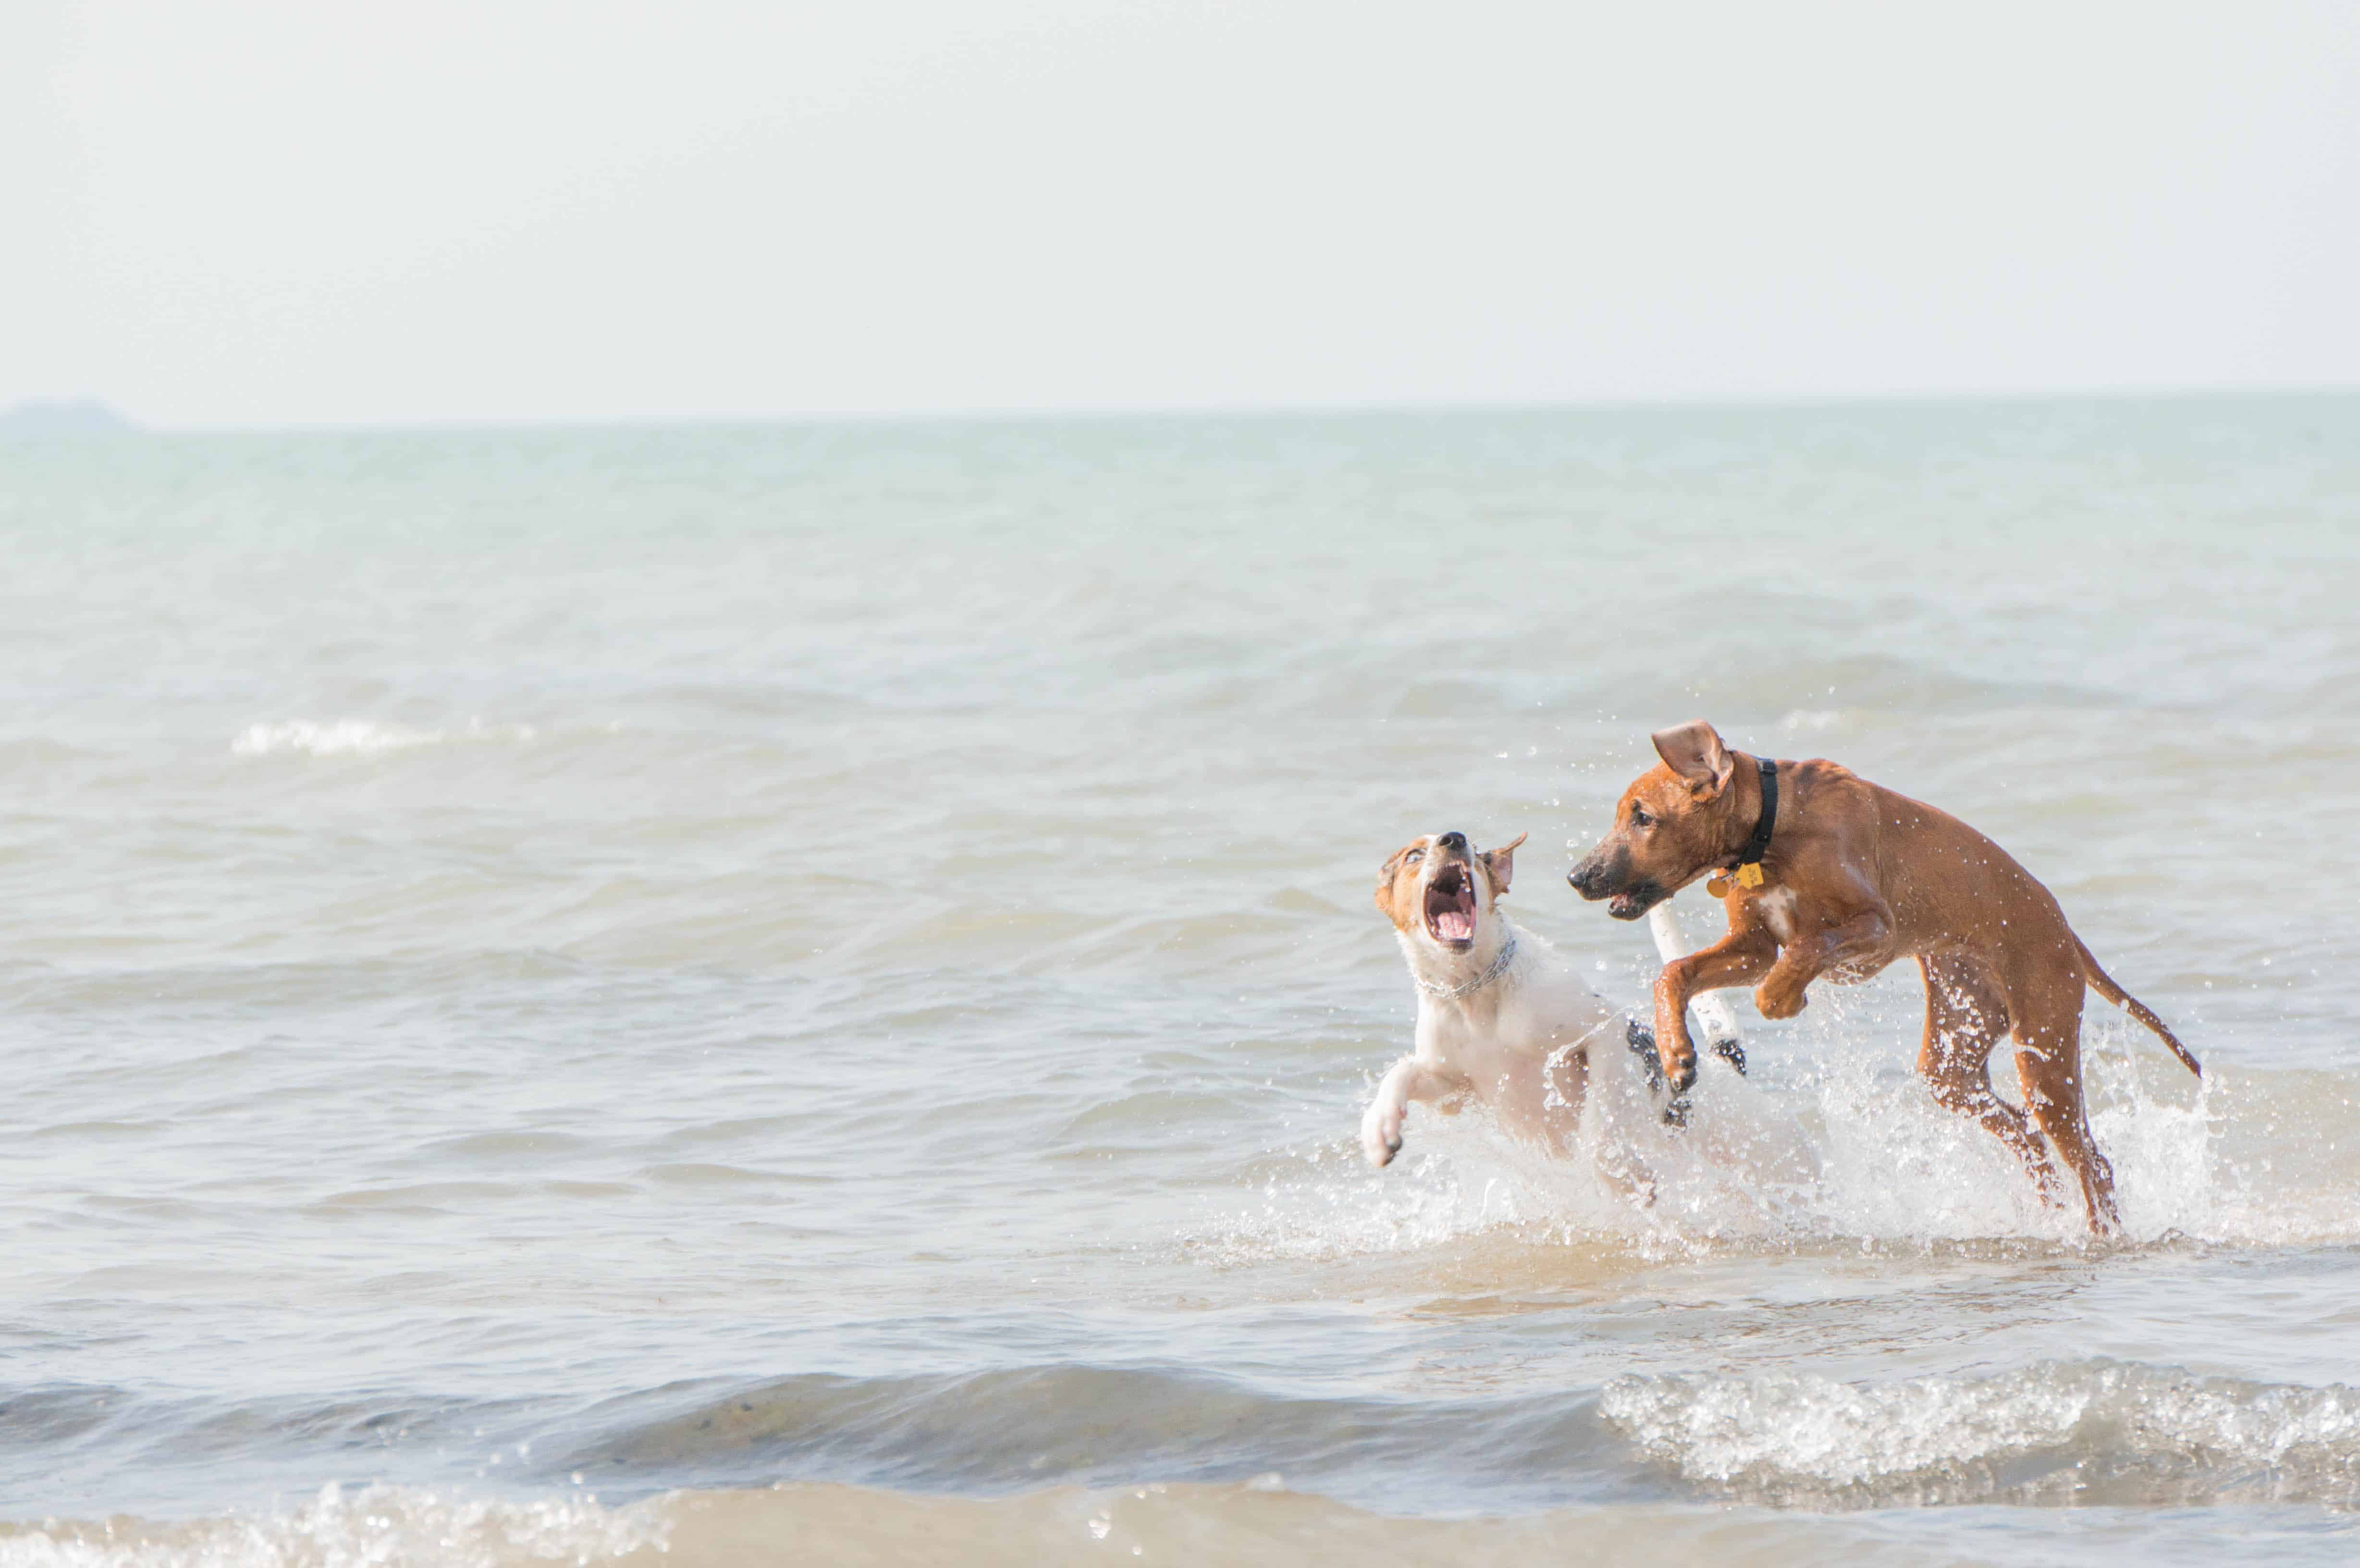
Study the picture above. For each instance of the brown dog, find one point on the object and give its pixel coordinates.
(1828, 873)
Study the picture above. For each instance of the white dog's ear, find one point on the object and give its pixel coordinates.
(1693, 750)
(1501, 862)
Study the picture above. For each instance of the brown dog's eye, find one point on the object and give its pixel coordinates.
(1639, 818)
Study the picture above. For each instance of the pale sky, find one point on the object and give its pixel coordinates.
(270, 212)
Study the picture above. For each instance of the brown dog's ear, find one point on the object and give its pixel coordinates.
(1501, 862)
(1693, 750)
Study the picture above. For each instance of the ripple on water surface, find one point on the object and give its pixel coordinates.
(713, 957)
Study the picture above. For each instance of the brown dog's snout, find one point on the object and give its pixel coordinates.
(1610, 873)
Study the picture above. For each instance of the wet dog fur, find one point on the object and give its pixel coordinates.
(1519, 1042)
(1855, 878)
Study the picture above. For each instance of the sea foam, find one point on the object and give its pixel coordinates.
(340, 1528)
(361, 737)
(2051, 1431)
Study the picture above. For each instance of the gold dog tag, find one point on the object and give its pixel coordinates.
(1750, 873)
(1719, 885)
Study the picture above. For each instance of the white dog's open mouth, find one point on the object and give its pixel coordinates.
(1450, 906)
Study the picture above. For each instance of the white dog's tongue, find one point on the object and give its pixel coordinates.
(1455, 925)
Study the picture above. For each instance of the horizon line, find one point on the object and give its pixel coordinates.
(1063, 414)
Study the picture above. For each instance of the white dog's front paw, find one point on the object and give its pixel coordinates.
(1381, 1135)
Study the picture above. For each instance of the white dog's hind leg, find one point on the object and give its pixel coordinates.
(1380, 1126)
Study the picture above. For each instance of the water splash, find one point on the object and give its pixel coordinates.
(1841, 1144)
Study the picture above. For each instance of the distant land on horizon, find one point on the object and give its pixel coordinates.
(77, 416)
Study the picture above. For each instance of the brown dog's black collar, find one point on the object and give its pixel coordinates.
(1767, 823)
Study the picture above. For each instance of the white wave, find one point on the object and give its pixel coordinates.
(1255, 1521)
(1990, 1436)
(376, 1525)
(361, 737)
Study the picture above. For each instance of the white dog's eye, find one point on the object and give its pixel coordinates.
(1411, 858)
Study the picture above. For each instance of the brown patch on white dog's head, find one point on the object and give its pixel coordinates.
(1432, 887)
(1397, 881)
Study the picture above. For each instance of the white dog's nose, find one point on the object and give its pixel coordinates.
(1451, 841)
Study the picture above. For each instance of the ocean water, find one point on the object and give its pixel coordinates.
(804, 992)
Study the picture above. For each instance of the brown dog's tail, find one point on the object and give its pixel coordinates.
(2103, 985)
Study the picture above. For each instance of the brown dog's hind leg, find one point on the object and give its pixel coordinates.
(2048, 1065)
(1966, 1015)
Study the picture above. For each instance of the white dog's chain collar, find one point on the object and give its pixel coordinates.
(1498, 967)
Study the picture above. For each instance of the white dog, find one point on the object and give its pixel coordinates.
(1501, 1016)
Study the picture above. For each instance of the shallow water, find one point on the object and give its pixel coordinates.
(571, 992)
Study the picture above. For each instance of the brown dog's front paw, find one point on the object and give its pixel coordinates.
(1780, 1001)
(1679, 1072)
